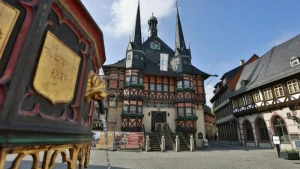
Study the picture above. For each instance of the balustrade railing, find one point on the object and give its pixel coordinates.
(144, 133)
(185, 139)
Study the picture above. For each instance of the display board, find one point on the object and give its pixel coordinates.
(128, 140)
(276, 140)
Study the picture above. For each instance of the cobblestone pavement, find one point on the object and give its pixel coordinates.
(216, 156)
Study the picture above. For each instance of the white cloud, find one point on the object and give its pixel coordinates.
(209, 94)
(123, 14)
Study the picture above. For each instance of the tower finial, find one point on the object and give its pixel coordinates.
(177, 6)
(152, 13)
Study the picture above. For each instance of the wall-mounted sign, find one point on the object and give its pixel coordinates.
(276, 140)
(200, 135)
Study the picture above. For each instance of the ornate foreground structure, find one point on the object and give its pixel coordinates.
(154, 84)
(51, 52)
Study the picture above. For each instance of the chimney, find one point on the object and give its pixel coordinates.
(242, 62)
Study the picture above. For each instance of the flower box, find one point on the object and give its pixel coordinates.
(290, 155)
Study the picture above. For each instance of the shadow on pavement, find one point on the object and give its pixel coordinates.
(27, 164)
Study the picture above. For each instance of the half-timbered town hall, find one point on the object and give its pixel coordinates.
(156, 84)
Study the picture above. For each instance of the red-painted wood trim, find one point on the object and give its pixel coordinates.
(14, 57)
(77, 9)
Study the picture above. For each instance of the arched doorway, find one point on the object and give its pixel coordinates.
(280, 129)
(248, 131)
(158, 117)
(261, 130)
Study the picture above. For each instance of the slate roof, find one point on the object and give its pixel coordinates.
(207, 110)
(272, 66)
(153, 58)
(230, 74)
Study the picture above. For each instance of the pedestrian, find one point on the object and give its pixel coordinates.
(215, 137)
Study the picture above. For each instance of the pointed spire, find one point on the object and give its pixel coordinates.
(179, 40)
(136, 38)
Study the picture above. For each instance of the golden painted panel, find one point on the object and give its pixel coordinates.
(8, 18)
(57, 71)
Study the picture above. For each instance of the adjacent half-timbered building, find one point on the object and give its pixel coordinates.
(156, 84)
(209, 119)
(225, 121)
(267, 95)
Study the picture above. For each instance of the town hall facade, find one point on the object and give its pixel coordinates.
(156, 84)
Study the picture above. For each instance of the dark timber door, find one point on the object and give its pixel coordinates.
(157, 117)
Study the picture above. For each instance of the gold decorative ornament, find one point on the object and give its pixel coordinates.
(8, 18)
(71, 153)
(96, 88)
(57, 71)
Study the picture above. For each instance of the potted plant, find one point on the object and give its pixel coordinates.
(290, 154)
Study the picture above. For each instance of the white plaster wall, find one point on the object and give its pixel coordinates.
(200, 123)
(170, 119)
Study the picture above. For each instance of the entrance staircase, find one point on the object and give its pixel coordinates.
(154, 144)
(183, 145)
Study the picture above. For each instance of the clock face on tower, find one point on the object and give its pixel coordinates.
(155, 45)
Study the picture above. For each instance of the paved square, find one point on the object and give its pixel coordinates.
(216, 157)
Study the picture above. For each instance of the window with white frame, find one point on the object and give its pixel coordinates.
(268, 93)
(132, 110)
(293, 86)
(140, 110)
(125, 109)
(180, 112)
(186, 84)
(127, 80)
(141, 81)
(235, 103)
(241, 101)
(249, 99)
(256, 97)
(188, 112)
(134, 80)
(158, 87)
(152, 87)
(166, 88)
(179, 84)
(278, 90)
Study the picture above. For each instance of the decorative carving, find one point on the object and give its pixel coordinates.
(77, 152)
(8, 18)
(57, 71)
(96, 88)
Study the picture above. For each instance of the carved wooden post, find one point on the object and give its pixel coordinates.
(192, 145)
(163, 144)
(177, 144)
(147, 148)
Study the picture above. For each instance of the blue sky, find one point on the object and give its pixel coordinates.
(221, 32)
